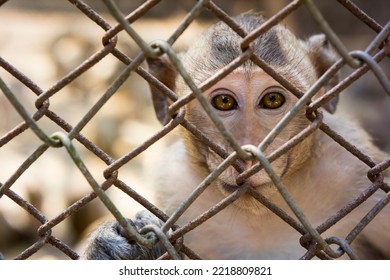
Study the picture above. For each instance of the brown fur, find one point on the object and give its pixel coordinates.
(321, 175)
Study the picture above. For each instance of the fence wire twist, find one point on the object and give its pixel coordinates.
(361, 61)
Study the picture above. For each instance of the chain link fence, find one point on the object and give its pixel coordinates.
(34, 105)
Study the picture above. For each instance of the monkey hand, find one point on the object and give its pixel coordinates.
(111, 241)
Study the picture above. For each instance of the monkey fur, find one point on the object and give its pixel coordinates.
(321, 175)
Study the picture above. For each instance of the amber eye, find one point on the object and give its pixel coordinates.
(272, 100)
(224, 102)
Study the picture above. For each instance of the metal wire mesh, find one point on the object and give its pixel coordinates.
(70, 137)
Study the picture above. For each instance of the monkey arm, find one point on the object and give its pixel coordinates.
(110, 241)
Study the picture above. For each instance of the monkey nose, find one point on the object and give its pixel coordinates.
(242, 163)
(246, 164)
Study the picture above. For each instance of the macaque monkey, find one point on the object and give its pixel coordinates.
(321, 175)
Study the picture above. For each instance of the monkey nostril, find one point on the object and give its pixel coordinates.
(245, 164)
(242, 163)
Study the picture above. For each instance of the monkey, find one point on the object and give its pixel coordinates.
(320, 174)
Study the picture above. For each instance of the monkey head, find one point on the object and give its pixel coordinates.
(248, 101)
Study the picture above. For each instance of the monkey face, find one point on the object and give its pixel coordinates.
(248, 101)
(249, 105)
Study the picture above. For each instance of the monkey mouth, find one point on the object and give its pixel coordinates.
(231, 188)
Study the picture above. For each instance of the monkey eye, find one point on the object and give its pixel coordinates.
(272, 100)
(224, 102)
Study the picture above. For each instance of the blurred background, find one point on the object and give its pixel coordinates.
(45, 40)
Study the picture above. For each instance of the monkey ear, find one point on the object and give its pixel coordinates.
(162, 69)
(323, 57)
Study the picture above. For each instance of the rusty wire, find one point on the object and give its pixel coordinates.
(361, 61)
